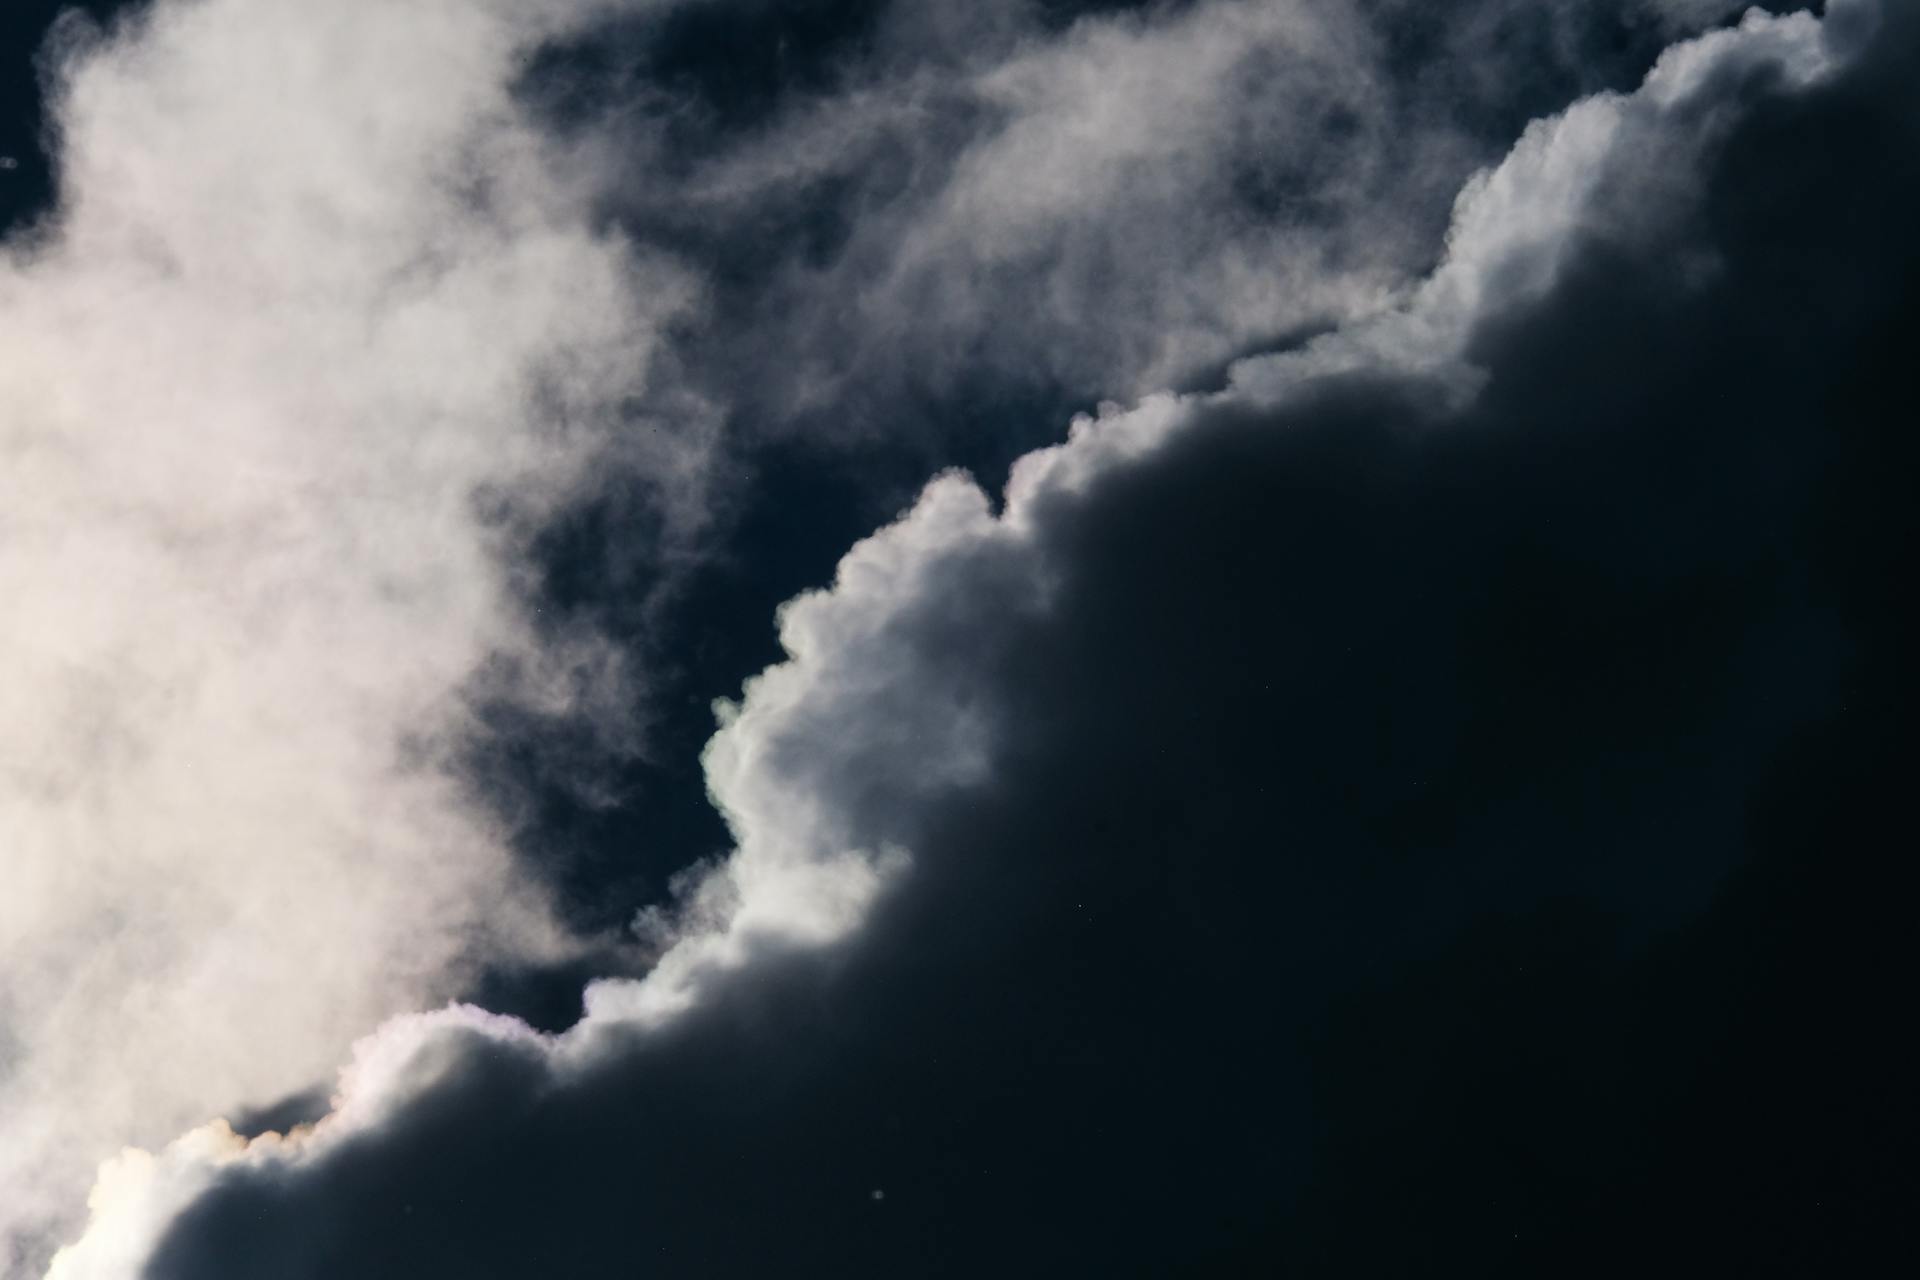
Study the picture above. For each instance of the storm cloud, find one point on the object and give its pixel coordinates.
(1422, 803)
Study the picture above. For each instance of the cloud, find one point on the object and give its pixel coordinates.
(319, 333)
(1065, 824)
(314, 334)
(1091, 201)
(900, 279)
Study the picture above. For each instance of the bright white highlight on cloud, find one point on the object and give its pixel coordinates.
(857, 713)
(314, 326)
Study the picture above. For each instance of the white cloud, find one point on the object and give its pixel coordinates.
(310, 291)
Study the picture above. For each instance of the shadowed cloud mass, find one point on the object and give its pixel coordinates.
(1425, 805)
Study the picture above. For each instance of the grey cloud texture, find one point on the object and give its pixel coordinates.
(823, 764)
(1122, 203)
(313, 335)
(1084, 210)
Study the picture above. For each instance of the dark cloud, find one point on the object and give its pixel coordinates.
(1416, 839)
(799, 155)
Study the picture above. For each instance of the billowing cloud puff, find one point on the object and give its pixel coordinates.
(313, 335)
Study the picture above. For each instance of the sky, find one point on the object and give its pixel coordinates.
(875, 637)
